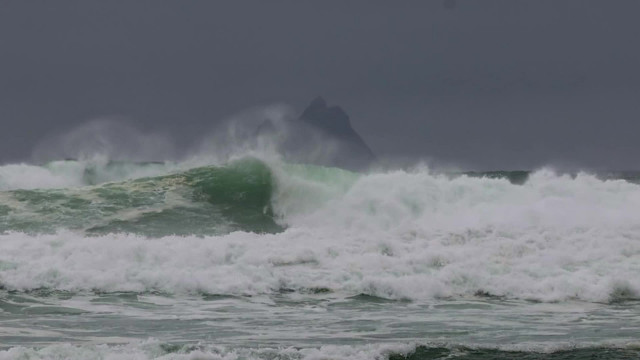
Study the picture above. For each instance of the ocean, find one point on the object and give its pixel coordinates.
(261, 259)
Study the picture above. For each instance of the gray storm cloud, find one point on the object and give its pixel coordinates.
(485, 84)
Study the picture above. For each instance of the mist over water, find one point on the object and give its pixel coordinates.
(108, 138)
(129, 250)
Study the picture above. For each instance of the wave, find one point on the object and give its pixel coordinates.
(249, 194)
(258, 227)
(203, 200)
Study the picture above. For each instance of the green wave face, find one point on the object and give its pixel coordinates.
(207, 200)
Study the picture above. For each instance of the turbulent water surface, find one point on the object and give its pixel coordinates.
(257, 259)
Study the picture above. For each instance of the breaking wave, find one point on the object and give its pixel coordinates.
(254, 227)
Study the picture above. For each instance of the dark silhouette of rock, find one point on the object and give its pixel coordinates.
(322, 135)
(333, 121)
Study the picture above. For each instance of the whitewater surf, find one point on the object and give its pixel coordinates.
(261, 259)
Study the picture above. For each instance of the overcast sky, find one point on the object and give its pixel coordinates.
(484, 84)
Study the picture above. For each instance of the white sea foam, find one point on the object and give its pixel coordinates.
(25, 176)
(65, 174)
(152, 349)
